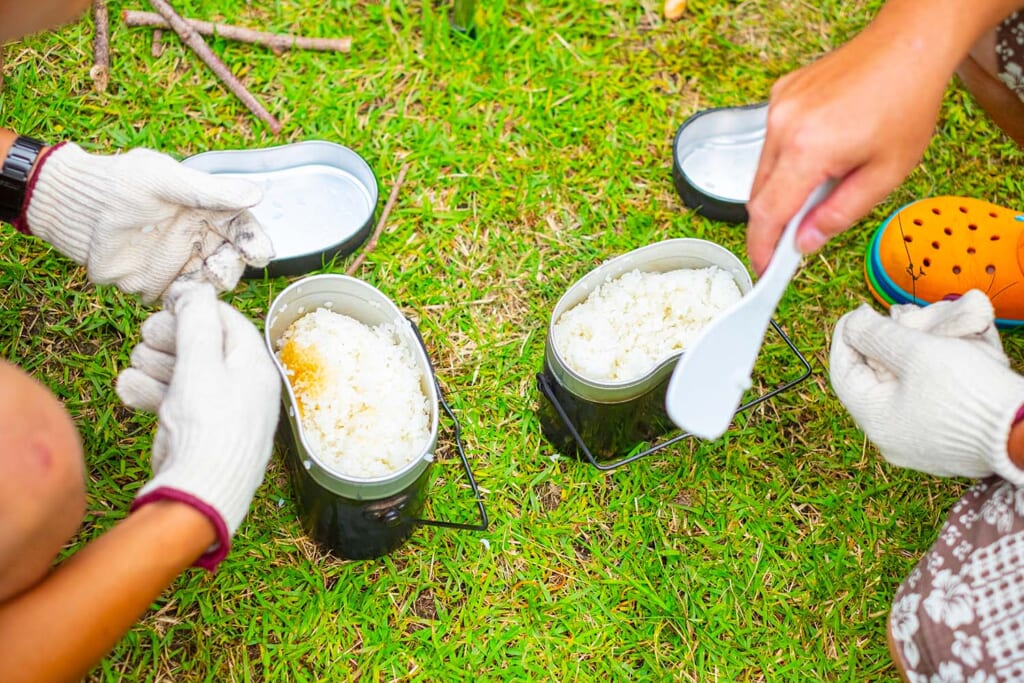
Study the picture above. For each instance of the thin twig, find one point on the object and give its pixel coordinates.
(278, 42)
(157, 48)
(372, 244)
(199, 46)
(100, 71)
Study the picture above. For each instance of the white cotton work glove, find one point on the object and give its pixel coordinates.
(140, 220)
(970, 317)
(205, 370)
(930, 388)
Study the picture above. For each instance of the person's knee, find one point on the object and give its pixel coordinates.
(42, 480)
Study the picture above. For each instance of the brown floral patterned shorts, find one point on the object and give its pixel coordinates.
(959, 616)
(1010, 52)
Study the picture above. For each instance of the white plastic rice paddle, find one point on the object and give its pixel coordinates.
(712, 374)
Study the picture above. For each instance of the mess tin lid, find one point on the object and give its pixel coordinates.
(319, 200)
(714, 159)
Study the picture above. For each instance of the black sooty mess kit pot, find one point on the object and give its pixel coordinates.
(611, 418)
(355, 518)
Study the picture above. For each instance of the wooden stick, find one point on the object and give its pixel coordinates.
(157, 48)
(372, 244)
(100, 71)
(278, 42)
(199, 46)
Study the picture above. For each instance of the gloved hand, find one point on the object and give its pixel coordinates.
(140, 220)
(970, 317)
(206, 371)
(930, 402)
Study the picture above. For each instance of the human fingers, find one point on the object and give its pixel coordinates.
(156, 364)
(779, 199)
(224, 267)
(158, 331)
(139, 390)
(215, 261)
(969, 315)
(188, 187)
(200, 333)
(249, 238)
(881, 341)
(244, 348)
(853, 197)
(850, 373)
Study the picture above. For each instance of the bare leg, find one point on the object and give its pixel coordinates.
(42, 486)
(979, 74)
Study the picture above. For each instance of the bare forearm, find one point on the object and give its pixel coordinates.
(941, 30)
(83, 608)
(1015, 445)
(7, 138)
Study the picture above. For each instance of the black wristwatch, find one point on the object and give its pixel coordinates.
(14, 175)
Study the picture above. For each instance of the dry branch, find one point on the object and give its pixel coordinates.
(278, 42)
(372, 244)
(199, 46)
(100, 71)
(157, 48)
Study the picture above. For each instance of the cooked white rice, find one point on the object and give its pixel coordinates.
(630, 324)
(360, 401)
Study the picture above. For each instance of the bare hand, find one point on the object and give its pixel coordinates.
(862, 115)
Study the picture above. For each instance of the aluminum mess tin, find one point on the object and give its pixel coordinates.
(354, 518)
(612, 418)
(319, 200)
(714, 159)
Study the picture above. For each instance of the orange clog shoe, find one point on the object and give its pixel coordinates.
(941, 246)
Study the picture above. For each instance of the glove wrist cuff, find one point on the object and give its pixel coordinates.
(62, 198)
(216, 552)
(996, 420)
(220, 486)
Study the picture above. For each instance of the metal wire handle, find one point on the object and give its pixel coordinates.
(546, 389)
(482, 526)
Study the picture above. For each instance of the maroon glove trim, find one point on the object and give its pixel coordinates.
(219, 550)
(21, 222)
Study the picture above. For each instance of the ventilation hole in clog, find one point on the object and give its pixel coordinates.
(971, 250)
(963, 209)
(993, 214)
(935, 245)
(1019, 219)
(928, 263)
(908, 238)
(936, 211)
(948, 231)
(990, 269)
(956, 270)
(918, 221)
(994, 238)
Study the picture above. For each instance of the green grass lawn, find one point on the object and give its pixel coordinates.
(535, 152)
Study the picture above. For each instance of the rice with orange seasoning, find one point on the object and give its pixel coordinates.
(358, 391)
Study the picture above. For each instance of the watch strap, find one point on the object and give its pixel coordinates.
(14, 175)
(21, 222)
